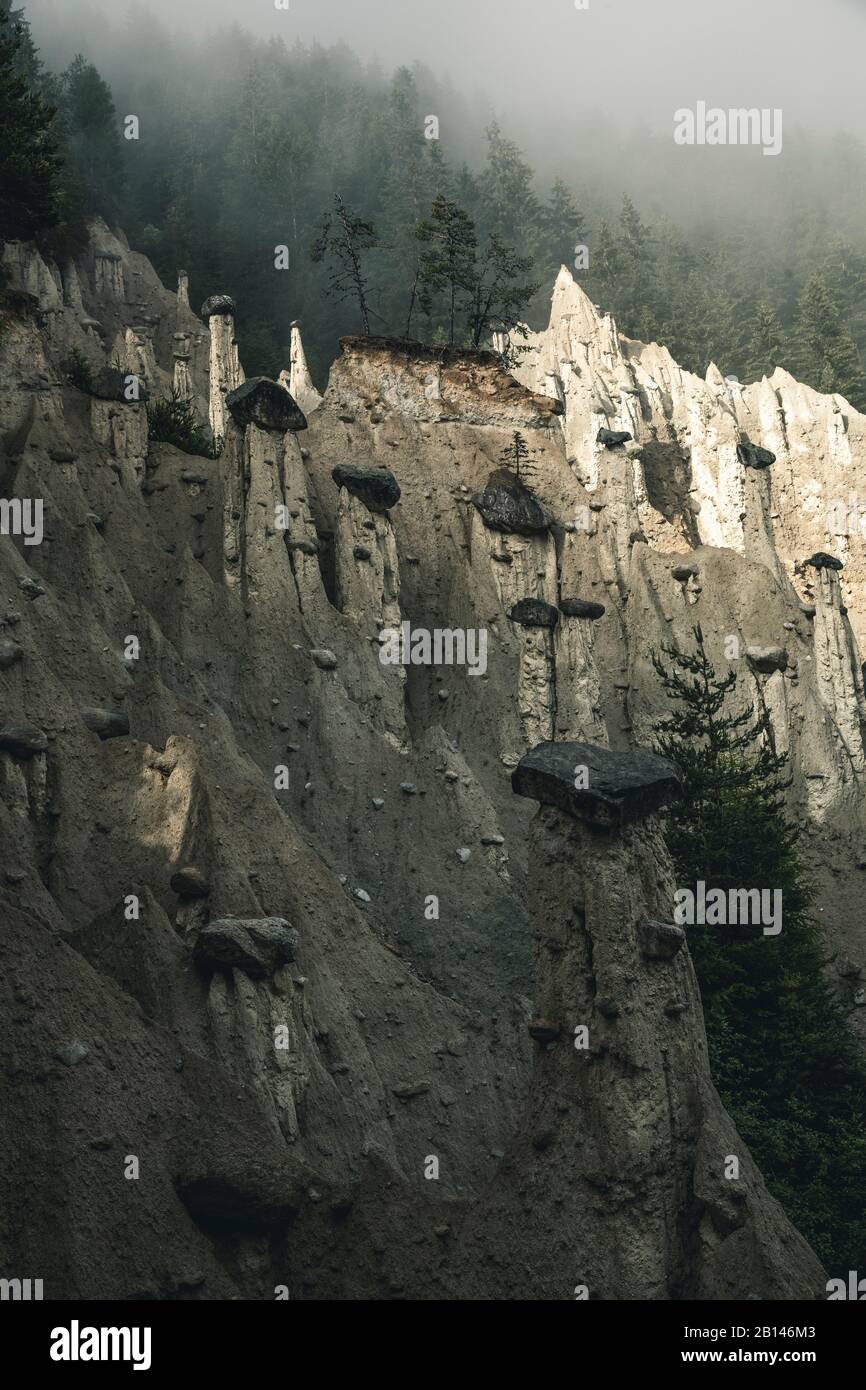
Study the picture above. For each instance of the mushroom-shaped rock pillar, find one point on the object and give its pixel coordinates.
(622, 1160)
(837, 662)
(578, 688)
(536, 683)
(512, 529)
(367, 566)
(268, 530)
(226, 372)
(368, 581)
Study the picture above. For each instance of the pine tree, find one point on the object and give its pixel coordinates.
(560, 227)
(766, 347)
(89, 123)
(343, 239)
(499, 293)
(510, 207)
(448, 259)
(782, 1055)
(605, 265)
(825, 353)
(30, 159)
(516, 453)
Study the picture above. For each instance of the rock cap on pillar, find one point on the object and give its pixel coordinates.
(581, 608)
(377, 488)
(534, 612)
(264, 403)
(217, 304)
(620, 786)
(822, 561)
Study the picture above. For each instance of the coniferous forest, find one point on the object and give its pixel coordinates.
(245, 143)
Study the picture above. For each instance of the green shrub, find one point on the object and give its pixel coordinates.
(171, 420)
(78, 371)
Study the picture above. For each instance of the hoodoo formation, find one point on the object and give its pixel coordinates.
(293, 907)
(432, 717)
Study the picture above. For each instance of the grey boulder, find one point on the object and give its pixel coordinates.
(256, 945)
(107, 723)
(377, 488)
(111, 384)
(22, 740)
(10, 652)
(822, 561)
(266, 404)
(534, 612)
(620, 786)
(506, 505)
(581, 608)
(767, 659)
(190, 882)
(660, 940)
(751, 456)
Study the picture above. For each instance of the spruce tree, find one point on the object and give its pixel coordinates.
(30, 159)
(560, 227)
(825, 353)
(783, 1057)
(499, 293)
(516, 453)
(447, 261)
(636, 239)
(766, 348)
(89, 124)
(605, 266)
(510, 207)
(638, 277)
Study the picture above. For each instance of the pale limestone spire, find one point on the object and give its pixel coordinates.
(300, 383)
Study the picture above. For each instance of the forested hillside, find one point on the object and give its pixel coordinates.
(242, 144)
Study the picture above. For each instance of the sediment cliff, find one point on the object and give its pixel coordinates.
(267, 916)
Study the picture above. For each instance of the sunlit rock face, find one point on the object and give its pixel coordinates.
(710, 514)
(692, 483)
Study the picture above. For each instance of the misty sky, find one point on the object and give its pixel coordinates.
(540, 62)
